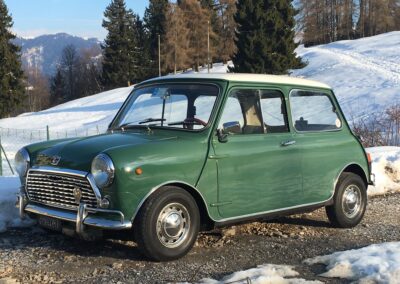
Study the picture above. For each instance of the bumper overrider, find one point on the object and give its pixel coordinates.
(84, 217)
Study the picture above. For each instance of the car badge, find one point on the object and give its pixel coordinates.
(55, 160)
(77, 194)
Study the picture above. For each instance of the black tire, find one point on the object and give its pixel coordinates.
(155, 239)
(350, 202)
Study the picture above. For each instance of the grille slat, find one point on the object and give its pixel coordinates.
(57, 189)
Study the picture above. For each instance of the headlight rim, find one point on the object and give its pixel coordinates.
(27, 161)
(110, 170)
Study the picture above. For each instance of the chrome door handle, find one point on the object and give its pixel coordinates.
(288, 143)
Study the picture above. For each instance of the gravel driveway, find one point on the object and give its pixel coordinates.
(34, 255)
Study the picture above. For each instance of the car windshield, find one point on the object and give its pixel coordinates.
(183, 106)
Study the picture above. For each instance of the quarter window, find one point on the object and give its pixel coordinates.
(313, 111)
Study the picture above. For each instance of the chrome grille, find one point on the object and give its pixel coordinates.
(57, 189)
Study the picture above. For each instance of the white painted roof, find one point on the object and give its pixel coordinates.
(253, 78)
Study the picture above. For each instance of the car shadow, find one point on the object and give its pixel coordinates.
(301, 222)
(35, 238)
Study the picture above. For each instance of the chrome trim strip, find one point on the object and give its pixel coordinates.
(154, 189)
(271, 211)
(59, 171)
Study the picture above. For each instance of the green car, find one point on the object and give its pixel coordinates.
(192, 152)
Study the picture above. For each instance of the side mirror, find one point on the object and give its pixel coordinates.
(222, 137)
(232, 127)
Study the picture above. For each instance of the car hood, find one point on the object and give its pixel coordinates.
(78, 153)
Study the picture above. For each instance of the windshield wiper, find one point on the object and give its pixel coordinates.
(147, 120)
(125, 125)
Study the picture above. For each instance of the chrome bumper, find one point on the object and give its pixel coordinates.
(84, 217)
(372, 179)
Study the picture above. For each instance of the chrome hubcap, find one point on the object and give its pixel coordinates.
(351, 201)
(173, 224)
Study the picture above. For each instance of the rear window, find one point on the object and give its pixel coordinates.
(313, 111)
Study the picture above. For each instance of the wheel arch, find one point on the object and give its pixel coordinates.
(355, 169)
(206, 221)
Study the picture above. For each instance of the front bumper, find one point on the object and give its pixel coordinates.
(85, 217)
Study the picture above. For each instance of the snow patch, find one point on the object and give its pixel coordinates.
(262, 274)
(386, 167)
(379, 263)
(9, 216)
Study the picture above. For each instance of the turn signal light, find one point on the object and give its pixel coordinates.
(138, 171)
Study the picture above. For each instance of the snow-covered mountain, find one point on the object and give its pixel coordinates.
(44, 52)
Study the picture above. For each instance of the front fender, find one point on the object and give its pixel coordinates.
(160, 162)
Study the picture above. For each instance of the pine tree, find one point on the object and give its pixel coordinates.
(57, 88)
(155, 23)
(11, 74)
(265, 37)
(120, 46)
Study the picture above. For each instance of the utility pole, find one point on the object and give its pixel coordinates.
(159, 56)
(208, 46)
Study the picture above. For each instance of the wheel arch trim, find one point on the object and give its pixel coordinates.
(348, 166)
(183, 185)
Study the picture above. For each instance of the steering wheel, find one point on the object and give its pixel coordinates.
(190, 121)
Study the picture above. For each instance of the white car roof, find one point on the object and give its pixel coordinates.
(253, 78)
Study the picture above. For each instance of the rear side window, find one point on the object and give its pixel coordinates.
(313, 111)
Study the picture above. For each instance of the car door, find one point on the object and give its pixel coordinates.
(258, 162)
(321, 140)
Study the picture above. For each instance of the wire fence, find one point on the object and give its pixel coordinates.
(13, 139)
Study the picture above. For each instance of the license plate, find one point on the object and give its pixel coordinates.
(50, 223)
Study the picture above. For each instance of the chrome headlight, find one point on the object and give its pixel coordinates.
(103, 170)
(22, 162)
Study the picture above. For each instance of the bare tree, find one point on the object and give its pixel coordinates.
(176, 44)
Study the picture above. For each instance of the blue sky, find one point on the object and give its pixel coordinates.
(77, 17)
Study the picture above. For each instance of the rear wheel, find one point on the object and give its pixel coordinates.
(168, 224)
(350, 201)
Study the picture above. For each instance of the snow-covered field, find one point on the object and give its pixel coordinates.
(364, 73)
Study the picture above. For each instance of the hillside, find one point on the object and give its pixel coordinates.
(364, 73)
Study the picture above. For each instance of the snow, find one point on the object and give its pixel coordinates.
(88, 112)
(378, 263)
(364, 73)
(262, 274)
(9, 216)
(386, 167)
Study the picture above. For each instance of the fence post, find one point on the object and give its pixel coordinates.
(47, 133)
(1, 160)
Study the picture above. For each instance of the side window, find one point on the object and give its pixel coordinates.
(253, 111)
(232, 119)
(274, 112)
(313, 111)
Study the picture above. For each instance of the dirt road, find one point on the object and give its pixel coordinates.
(33, 255)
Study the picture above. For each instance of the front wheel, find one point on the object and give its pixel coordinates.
(350, 202)
(167, 225)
